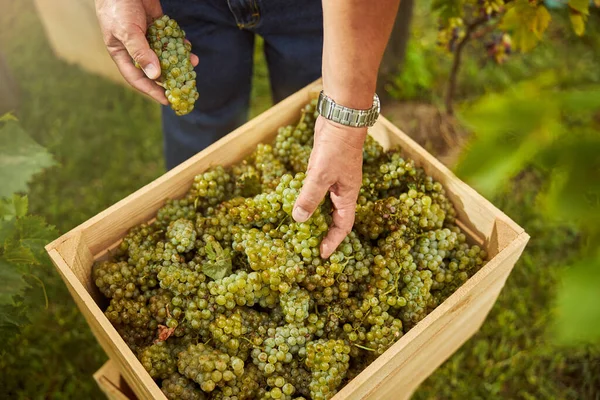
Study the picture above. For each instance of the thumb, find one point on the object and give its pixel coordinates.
(311, 194)
(138, 48)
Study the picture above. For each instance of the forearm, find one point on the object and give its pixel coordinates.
(355, 36)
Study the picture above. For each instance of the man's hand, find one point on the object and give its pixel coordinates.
(124, 24)
(335, 165)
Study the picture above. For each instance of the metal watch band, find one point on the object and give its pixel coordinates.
(348, 116)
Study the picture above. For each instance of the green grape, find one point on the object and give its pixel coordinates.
(180, 279)
(270, 167)
(295, 304)
(209, 367)
(174, 210)
(247, 179)
(133, 320)
(211, 187)
(178, 387)
(372, 150)
(328, 361)
(182, 234)
(158, 360)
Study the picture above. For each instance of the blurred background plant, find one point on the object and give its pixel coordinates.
(526, 133)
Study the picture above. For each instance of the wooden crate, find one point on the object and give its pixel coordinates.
(74, 34)
(112, 383)
(396, 373)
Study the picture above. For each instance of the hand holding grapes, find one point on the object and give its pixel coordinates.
(124, 24)
(335, 166)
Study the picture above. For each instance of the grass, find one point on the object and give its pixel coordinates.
(108, 143)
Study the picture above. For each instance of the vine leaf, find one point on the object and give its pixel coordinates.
(527, 22)
(578, 13)
(13, 283)
(34, 234)
(502, 146)
(219, 263)
(13, 207)
(17, 254)
(20, 158)
(11, 320)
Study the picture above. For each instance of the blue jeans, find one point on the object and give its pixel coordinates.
(222, 34)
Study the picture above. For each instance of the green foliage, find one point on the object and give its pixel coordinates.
(578, 310)
(578, 13)
(556, 129)
(415, 79)
(527, 21)
(20, 158)
(535, 123)
(219, 264)
(22, 236)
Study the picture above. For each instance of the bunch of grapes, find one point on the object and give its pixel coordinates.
(182, 234)
(158, 360)
(328, 361)
(226, 297)
(209, 367)
(178, 387)
(167, 39)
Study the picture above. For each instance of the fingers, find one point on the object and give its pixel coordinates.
(153, 9)
(136, 78)
(136, 44)
(343, 220)
(313, 191)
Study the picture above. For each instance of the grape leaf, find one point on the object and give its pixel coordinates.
(527, 22)
(17, 254)
(578, 13)
(12, 280)
(581, 6)
(20, 158)
(219, 263)
(8, 230)
(11, 320)
(578, 22)
(16, 206)
(502, 146)
(34, 234)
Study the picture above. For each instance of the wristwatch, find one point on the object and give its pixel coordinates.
(348, 116)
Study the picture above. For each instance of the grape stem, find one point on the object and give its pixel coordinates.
(301, 118)
(363, 347)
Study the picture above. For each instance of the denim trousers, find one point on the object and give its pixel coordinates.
(222, 33)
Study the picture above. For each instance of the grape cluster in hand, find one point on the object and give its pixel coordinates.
(178, 77)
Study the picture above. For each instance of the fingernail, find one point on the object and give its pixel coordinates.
(300, 214)
(324, 250)
(151, 71)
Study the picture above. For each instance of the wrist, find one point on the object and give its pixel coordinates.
(359, 97)
(351, 136)
(353, 90)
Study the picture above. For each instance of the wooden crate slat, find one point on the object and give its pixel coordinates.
(141, 383)
(112, 383)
